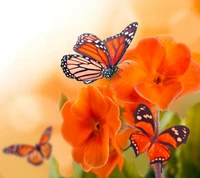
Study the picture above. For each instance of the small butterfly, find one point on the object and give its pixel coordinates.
(98, 58)
(35, 154)
(156, 146)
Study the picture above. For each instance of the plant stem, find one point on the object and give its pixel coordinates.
(158, 167)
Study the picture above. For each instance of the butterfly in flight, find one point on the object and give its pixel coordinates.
(98, 59)
(35, 154)
(156, 146)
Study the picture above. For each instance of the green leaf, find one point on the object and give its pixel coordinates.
(150, 173)
(54, 168)
(135, 167)
(189, 154)
(63, 100)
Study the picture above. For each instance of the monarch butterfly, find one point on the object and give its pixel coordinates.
(98, 58)
(35, 154)
(156, 146)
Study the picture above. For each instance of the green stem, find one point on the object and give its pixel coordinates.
(157, 169)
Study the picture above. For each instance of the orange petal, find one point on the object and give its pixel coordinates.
(191, 79)
(106, 91)
(74, 131)
(96, 151)
(89, 101)
(128, 116)
(162, 94)
(150, 54)
(112, 118)
(178, 57)
(77, 154)
(196, 57)
(124, 86)
(114, 159)
(123, 138)
(107, 169)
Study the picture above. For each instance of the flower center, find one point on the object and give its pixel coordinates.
(157, 80)
(97, 126)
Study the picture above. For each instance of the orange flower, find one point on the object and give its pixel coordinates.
(88, 125)
(115, 155)
(160, 74)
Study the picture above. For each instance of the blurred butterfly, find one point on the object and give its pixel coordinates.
(156, 146)
(98, 58)
(35, 154)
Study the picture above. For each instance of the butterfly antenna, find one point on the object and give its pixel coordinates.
(118, 74)
(126, 62)
(120, 69)
(127, 148)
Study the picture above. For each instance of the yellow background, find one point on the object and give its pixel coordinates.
(34, 35)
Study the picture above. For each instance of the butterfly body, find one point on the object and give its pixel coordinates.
(98, 58)
(156, 146)
(35, 154)
(109, 72)
(38, 148)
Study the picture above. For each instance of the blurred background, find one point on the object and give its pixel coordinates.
(34, 35)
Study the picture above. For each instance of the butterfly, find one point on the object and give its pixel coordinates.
(35, 154)
(156, 146)
(98, 59)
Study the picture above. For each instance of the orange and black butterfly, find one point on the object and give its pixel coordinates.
(98, 58)
(156, 146)
(35, 154)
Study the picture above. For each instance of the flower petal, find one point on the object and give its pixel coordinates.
(77, 154)
(150, 54)
(74, 131)
(112, 118)
(191, 79)
(88, 105)
(178, 57)
(124, 86)
(96, 151)
(160, 94)
(122, 138)
(115, 158)
(106, 170)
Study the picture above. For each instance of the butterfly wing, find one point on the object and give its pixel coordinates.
(91, 46)
(174, 136)
(19, 150)
(144, 120)
(35, 157)
(82, 68)
(118, 44)
(139, 142)
(45, 136)
(158, 153)
(46, 150)
(45, 147)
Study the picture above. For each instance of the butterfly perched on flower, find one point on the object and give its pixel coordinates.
(156, 146)
(34, 154)
(98, 58)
